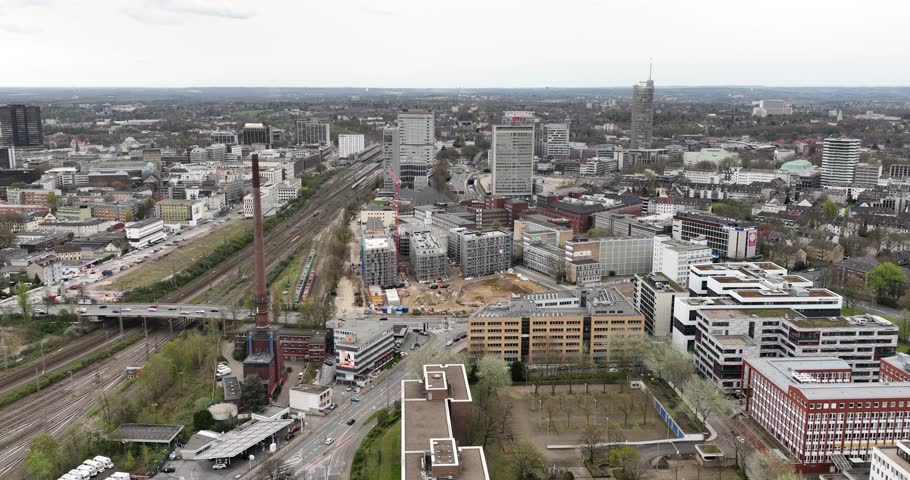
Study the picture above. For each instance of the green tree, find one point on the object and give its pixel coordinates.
(320, 168)
(52, 201)
(595, 232)
(496, 225)
(492, 372)
(626, 459)
(252, 393)
(518, 371)
(203, 420)
(41, 460)
(830, 208)
(526, 462)
(25, 304)
(887, 280)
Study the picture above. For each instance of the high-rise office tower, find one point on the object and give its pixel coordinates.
(557, 140)
(312, 132)
(417, 134)
(642, 114)
(512, 160)
(839, 159)
(20, 126)
(256, 134)
(524, 117)
(7, 157)
(391, 155)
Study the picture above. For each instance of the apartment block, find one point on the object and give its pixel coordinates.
(480, 253)
(434, 410)
(592, 324)
(428, 258)
(654, 295)
(728, 238)
(816, 410)
(746, 285)
(725, 337)
(379, 261)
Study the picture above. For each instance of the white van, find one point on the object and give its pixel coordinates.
(78, 474)
(104, 461)
(67, 476)
(119, 476)
(87, 470)
(98, 466)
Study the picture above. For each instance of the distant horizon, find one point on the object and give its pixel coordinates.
(657, 85)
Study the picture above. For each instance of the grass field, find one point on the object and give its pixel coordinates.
(384, 456)
(178, 258)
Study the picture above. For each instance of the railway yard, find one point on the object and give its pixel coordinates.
(56, 407)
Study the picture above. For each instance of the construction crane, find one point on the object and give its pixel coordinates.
(396, 204)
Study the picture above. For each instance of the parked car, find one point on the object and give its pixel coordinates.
(219, 466)
(168, 468)
(294, 428)
(329, 363)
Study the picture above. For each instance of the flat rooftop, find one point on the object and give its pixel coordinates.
(240, 439)
(734, 340)
(734, 313)
(311, 388)
(856, 321)
(780, 371)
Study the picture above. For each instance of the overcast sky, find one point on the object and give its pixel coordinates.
(463, 43)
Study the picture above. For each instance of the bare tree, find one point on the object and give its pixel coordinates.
(704, 397)
(274, 470)
(626, 405)
(591, 437)
(765, 465)
(644, 405)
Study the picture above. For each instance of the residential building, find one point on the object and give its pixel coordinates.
(591, 324)
(867, 174)
(480, 253)
(268, 195)
(313, 132)
(434, 412)
(361, 350)
(815, 410)
(512, 160)
(839, 159)
(642, 114)
(47, 269)
(764, 108)
(20, 126)
(727, 237)
(349, 144)
(146, 232)
(891, 463)
(746, 285)
(557, 140)
(726, 336)
(115, 212)
(428, 258)
(674, 257)
(654, 295)
(379, 261)
(87, 228)
(417, 136)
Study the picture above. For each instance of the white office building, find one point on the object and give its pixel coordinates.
(764, 108)
(839, 159)
(349, 144)
(674, 257)
(269, 196)
(557, 140)
(512, 160)
(144, 233)
(891, 463)
(417, 136)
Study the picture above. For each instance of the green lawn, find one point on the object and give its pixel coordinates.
(384, 456)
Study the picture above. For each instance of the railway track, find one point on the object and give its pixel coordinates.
(220, 283)
(70, 352)
(55, 408)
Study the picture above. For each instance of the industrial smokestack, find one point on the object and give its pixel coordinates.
(260, 294)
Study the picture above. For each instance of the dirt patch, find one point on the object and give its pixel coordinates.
(467, 296)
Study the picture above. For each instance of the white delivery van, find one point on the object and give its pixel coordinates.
(119, 476)
(98, 466)
(104, 461)
(80, 475)
(87, 470)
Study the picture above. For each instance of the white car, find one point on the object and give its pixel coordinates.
(200, 311)
(219, 466)
(329, 440)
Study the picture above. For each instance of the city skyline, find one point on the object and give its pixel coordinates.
(690, 46)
